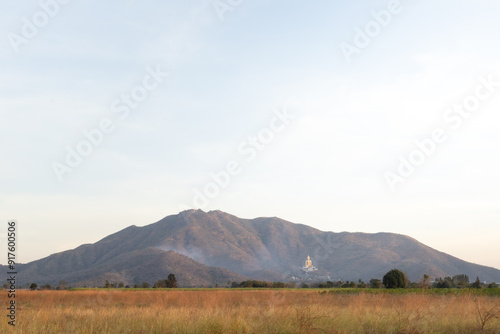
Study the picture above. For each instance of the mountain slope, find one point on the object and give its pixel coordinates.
(196, 245)
(133, 267)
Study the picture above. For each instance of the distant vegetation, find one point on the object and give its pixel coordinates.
(394, 279)
(262, 284)
(169, 283)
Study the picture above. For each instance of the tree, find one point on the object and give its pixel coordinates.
(407, 280)
(461, 281)
(361, 284)
(171, 282)
(492, 285)
(348, 284)
(424, 283)
(255, 284)
(160, 284)
(121, 285)
(145, 285)
(476, 284)
(447, 283)
(394, 279)
(108, 285)
(328, 285)
(62, 285)
(375, 283)
(33, 286)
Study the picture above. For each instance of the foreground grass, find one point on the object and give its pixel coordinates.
(252, 311)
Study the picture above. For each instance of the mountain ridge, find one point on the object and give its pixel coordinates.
(208, 248)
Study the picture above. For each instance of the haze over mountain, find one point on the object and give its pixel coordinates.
(208, 248)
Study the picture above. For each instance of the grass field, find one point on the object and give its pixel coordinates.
(252, 311)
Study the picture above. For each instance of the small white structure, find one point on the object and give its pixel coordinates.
(308, 267)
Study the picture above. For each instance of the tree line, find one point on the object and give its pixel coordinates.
(170, 282)
(393, 279)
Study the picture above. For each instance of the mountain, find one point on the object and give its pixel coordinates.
(208, 248)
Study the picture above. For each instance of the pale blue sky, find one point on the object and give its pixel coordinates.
(226, 78)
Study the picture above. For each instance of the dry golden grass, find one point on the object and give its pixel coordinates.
(253, 311)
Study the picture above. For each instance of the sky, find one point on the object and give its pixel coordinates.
(359, 116)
